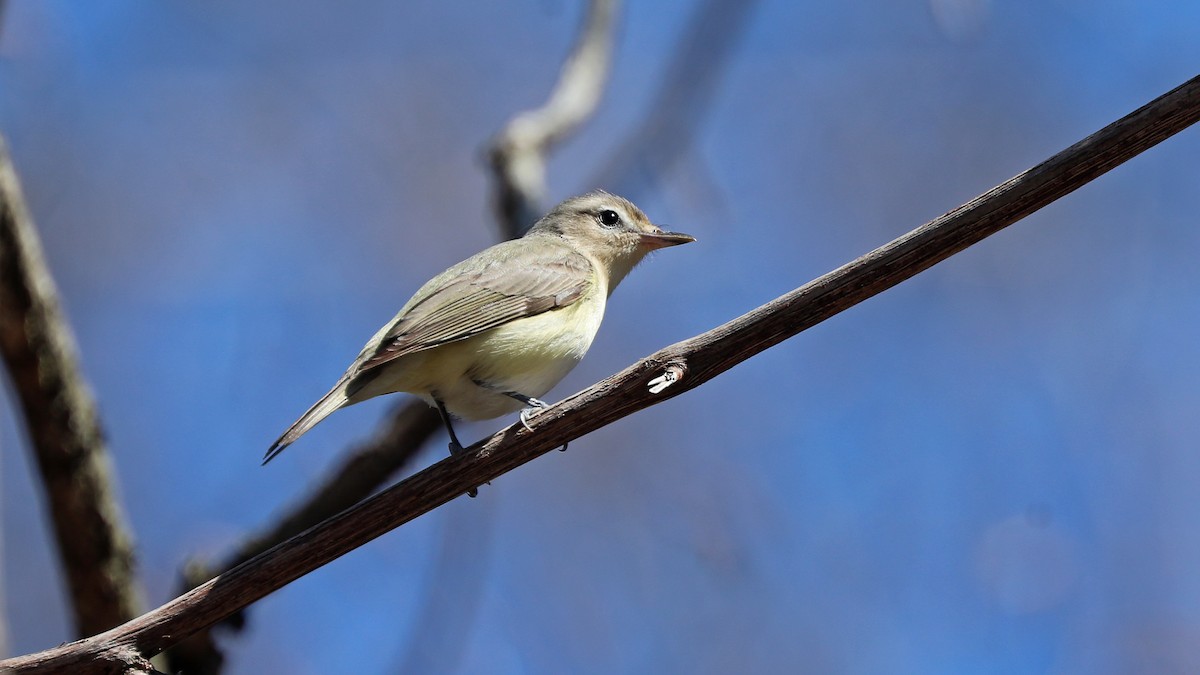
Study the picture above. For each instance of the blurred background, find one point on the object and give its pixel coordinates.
(992, 468)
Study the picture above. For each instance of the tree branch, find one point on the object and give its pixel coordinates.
(518, 153)
(65, 436)
(664, 374)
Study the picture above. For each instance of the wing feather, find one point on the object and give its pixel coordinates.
(518, 285)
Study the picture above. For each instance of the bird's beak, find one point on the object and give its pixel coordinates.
(661, 239)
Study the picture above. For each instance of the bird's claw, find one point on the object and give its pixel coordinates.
(535, 405)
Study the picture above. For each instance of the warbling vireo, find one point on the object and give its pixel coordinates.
(499, 329)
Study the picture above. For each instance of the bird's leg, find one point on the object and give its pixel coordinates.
(456, 448)
(534, 405)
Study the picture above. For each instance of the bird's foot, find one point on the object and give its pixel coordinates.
(535, 406)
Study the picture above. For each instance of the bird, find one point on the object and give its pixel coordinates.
(490, 335)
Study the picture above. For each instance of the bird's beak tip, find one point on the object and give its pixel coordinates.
(663, 239)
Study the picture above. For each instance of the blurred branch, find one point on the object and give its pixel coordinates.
(518, 153)
(64, 430)
(684, 97)
(664, 374)
(366, 469)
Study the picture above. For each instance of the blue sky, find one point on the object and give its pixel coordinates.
(989, 469)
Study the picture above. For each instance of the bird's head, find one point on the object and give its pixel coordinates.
(608, 229)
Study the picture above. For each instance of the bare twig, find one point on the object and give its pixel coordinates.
(670, 372)
(518, 153)
(64, 430)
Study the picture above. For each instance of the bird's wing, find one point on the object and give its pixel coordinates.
(519, 286)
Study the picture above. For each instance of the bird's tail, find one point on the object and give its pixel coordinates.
(336, 398)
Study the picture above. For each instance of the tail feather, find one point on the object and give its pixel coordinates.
(336, 398)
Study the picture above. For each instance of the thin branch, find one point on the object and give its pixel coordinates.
(518, 153)
(665, 374)
(65, 436)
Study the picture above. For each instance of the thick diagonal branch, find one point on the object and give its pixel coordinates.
(64, 432)
(518, 153)
(690, 364)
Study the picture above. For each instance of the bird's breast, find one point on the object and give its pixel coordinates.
(527, 356)
(531, 355)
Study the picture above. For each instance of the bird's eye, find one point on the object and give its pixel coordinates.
(610, 218)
